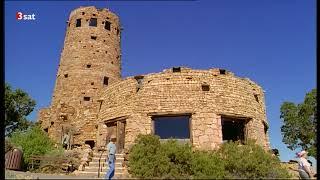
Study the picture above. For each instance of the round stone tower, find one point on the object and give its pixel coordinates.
(90, 62)
(91, 58)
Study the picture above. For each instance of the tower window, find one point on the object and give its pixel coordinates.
(88, 65)
(94, 37)
(205, 87)
(93, 14)
(78, 23)
(176, 69)
(107, 25)
(66, 75)
(86, 98)
(105, 80)
(93, 22)
(256, 97)
(222, 71)
(118, 31)
(83, 13)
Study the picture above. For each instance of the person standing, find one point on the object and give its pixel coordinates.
(111, 157)
(305, 171)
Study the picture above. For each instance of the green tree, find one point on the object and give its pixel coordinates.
(33, 141)
(18, 105)
(299, 123)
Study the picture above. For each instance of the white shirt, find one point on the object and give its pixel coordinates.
(303, 162)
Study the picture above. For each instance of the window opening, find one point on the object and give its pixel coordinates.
(94, 37)
(107, 25)
(233, 129)
(205, 87)
(93, 22)
(176, 127)
(222, 71)
(78, 23)
(105, 80)
(91, 143)
(256, 97)
(176, 69)
(86, 98)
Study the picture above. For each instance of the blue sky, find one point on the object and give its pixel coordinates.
(272, 42)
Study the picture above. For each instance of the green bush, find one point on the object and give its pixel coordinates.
(208, 165)
(149, 158)
(250, 161)
(33, 142)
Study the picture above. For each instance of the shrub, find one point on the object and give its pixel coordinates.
(33, 142)
(149, 158)
(208, 165)
(250, 161)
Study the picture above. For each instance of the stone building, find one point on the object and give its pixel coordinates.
(91, 101)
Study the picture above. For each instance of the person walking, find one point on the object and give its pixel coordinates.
(304, 168)
(111, 157)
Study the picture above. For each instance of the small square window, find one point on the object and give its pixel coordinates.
(86, 98)
(66, 75)
(107, 25)
(222, 71)
(78, 23)
(88, 65)
(83, 13)
(176, 69)
(105, 80)
(93, 22)
(205, 87)
(94, 37)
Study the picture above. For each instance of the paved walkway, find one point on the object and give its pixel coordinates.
(9, 174)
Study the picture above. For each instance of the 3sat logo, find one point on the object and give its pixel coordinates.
(21, 16)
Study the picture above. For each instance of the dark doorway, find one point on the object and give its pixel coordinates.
(233, 129)
(90, 143)
(117, 128)
(177, 127)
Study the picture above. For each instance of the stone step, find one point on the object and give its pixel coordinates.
(102, 174)
(95, 169)
(103, 159)
(103, 163)
(105, 154)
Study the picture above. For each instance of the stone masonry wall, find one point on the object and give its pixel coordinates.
(181, 92)
(90, 61)
(89, 91)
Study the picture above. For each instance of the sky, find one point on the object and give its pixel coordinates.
(272, 42)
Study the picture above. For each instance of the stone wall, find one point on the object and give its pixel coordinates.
(89, 91)
(181, 92)
(90, 61)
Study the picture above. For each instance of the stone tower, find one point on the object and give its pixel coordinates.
(90, 61)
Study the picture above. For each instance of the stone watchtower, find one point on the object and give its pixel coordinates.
(90, 61)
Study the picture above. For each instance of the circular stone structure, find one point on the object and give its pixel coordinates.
(91, 102)
(212, 99)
